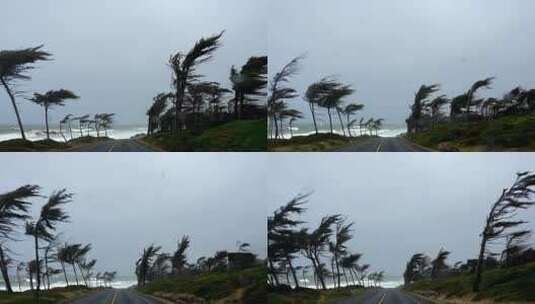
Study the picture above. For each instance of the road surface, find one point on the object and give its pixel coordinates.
(381, 144)
(116, 145)
(383, 296)
(115, 296)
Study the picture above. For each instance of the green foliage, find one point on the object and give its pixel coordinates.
(509, 284)
(313, 142)
(243, 135)
(214, 285)
(54, 295)
(505, 133)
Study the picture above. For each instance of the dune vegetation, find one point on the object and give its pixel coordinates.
(473, 123)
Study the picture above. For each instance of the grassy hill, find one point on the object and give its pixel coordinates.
(246, 286)
(312, 143)
(21, 145)
(240, 135)
(515, 284)
(511, 133)
(54, 295)
(310, 296)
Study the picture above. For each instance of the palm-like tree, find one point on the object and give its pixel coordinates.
(484, 83)
(144, 263)
(179, 259)
(43, 227)
(338, 248)
(439, 263)
(14, 206)
(332, 98)
(184, 66)
(435, 106)
(156, 110)
(63, 253)
(14, 65)
(66, 120)
(251, 80)
(50, 99)
(279, 92)
(414, 120)
(350, 110)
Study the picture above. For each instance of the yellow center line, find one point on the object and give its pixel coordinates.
(380, 301)
(379, 146)
(114, 297)
(112, 146)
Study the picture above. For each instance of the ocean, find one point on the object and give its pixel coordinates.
(58, 281)
(36, 132)
(303, 128)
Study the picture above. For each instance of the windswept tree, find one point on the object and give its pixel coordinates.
(144, 263)
(184, 71)
(350, 110)
(45, 224)
(515, 244)
(14, 66)
(415, 268)
(316, 242)
(14, 206)
(333, 98)
(471, 94)
(414, 123)
(179, 258)
(283, 242)
(249, 82)
(280, 92)
(338, 247)
(50, 99)
(500, 218)
(435, 107)
(156, 110)
(438, 265)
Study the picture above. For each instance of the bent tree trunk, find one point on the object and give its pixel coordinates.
(311, 105)
(75, 274)
(46, 123)
(330, 119)
(12, 98)
(65, 273)
(293, 271)
(3, 269)
(341, 123)
(273, 272)
(479, 265)
(37, 267)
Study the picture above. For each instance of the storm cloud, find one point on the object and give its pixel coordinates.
(387, 49)
(114, 53)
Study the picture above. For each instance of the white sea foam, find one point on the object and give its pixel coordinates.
(121, 283)
(34, 133)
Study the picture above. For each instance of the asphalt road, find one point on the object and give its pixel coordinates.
(381, 144)
(116, 145)
(383, 296)
(115, 296)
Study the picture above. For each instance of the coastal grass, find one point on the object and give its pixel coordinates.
(513, 284)
(312, 143)
(46, 145)
(238, 136)
(311, 296)
(510, 133)
(54, 295)
(248, 285)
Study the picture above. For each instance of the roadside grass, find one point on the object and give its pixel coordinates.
(311, 143)
(511, 133)
(249, 284)
(238, 136)
(54, 295)
(311, 296)
(513, 284)
(20, 145)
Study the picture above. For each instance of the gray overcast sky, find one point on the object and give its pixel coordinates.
(114, 53)
(387, 49)
(401, 203)
(122, 204)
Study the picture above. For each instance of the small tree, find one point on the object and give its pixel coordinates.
(50, 99)
(500, 218)
(14, 66)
